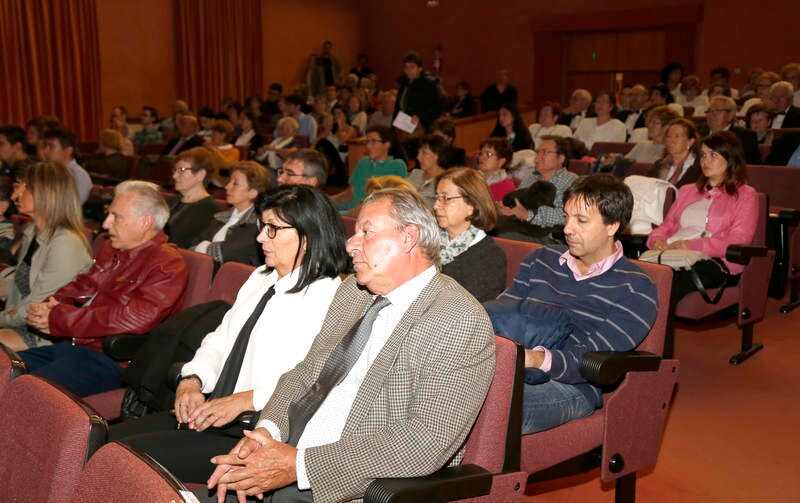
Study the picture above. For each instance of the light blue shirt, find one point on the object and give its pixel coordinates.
(82, 180)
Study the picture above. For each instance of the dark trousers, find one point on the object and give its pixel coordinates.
(288, 494)
(81, 370)
(185, 453)
(710, 273)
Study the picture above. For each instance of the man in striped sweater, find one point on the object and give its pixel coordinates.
(610, 302)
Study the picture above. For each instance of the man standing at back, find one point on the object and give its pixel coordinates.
(392, 384)
(137, 280)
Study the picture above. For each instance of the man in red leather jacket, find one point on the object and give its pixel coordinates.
(137, 280)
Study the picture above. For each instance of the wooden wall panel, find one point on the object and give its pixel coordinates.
(639, 50)
(591, 52)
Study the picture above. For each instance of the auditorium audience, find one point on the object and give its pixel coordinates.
(758, 120)
(791, 74)
(272, 155)
(511, 127)
(383, 115)
(603, 127)
(672, 77)
(651, 149)
(494, 157)
(465, 211)
(187, 138)
(270, 105)
(717, 211)
(446, 128)
(219, 144)
(763, 86)
(108, 164)
(721, 116)
(342, 128)
(548, 125)
(303, 241)
(149, 133)
(231, 235)
(357, 116)
(136, 281)
(433, 151)
(499, 93)
(578, 292)
(464, 105)
(192, 209)
(306, 125)
(720, 75)
(660, 95)
(680, 164)
(785, 115)
(34, 138)
(170, 124)
(690, 96)
(635, 117)
(249, 136)
(577, 110)
(328, 145)
(53, 249)
(377, 163)
(60, 146)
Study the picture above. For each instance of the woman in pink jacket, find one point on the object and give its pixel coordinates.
(719, 210)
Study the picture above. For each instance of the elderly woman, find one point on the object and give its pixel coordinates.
(511, 126)
(604, 127)
(304, 245)
(109, 164)
(193, 209)
(465, 212)
(284, 143)
(494, 157)
(53, 250)
(719, 210)
(231, 236)
(433, 152)
(652, 149)
(548, 123)
(680, 164)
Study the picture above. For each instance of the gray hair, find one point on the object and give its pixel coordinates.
(315, 165)
(410, 208)
(729, 103)
(149, 200)
(782, 84)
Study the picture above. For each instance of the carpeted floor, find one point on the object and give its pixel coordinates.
(733, 434)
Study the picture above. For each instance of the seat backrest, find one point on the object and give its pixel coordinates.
(11, 366)
(47, 436)
(201, 270)
(760, 237)
(98, 243)
(494, 442)
(780, 183)
(662, 277)
(118, 473)
(611, 147)
(228, 280)
(579, 167)
(515, 251)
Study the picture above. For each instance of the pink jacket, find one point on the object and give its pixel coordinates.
(731, 220)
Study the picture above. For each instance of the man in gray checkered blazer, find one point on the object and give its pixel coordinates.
(406, 405)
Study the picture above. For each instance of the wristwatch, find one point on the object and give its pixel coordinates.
(192, 376)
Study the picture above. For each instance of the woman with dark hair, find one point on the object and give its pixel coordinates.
(680, 164)
(604, 127)
(671, 76)
(465, 104)
(511, 126)
(231, 236)
(249, 136)
(432, 155)
(52, 252)
(660, 95)
(494, 158)
(719, 210)
(193, 208)
(465, 212)
(303, 241)
(548, 124)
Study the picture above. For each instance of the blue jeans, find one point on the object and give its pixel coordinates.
(81, 370)
(551, 404)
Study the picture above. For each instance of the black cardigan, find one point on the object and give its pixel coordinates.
(481, 269)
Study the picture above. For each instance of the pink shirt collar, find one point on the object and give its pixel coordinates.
(595, 269)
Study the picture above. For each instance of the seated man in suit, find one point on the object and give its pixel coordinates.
(577, 110)
(565, 301)
(636, 115)
(187, 136)
(137, 280)
(781, 95)
(720, 116)
(396, 398)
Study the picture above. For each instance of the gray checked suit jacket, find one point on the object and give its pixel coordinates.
(420, 396)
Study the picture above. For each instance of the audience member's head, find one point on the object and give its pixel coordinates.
(34, 131)
(625, 97)
(781, 95)
(494, 155)
(388, 100)
(304, 167)
(444, 127)
(660, 95)
(110, 142)
(405, 242)
(187, 125)
(720, 113)
(249, 180)
(722, 161)
(192, 168)
(462, 89)
(12, 144)
(764, 83)
(137, 213)
(463, 199)
(509, 118)
(120, 112)
(434, 154)
(379, 142)
(60, 145)
(287, 127)
(552, 154)
(690, 87)
(758, 118)
(149, 116)
(680, 138)
(549, 114)
(412, 66)
(672, 74)
(580, 100)
(657, 120)
(377, 183)
(597, 209)
(720, 74)
(221, 132)
(604, 104)
(294, 104)
(503, 78)
(46, 191)
(274, 92)
(639, 97)
(791, 73)
(719, 89)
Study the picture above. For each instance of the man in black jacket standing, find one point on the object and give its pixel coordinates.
(419, 94)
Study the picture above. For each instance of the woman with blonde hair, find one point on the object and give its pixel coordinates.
(53, 250)
(465, 211)
(109, 164)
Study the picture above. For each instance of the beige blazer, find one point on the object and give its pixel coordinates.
(418, 400)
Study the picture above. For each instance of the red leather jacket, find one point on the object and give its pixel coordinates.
(132, 291)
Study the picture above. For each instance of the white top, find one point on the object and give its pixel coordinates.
(244, 139)
(630, 121)
(693, 221)
(328, 422)
(698, 101)
(280, 339)
(221, 234)
(537, 131)
(747, 104)
(590, 133)
(645, 151)
(359, 121)
(638, 135)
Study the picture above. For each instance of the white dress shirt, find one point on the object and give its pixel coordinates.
(590, 133)
(280, 338)
(537, 131)
(328, 422)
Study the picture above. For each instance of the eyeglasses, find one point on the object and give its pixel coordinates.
(288, 173)
(373, 140)
(271, 230)
(545, 152)
(717, 111)
(445, 199)
(182, 169)
(487, 153)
